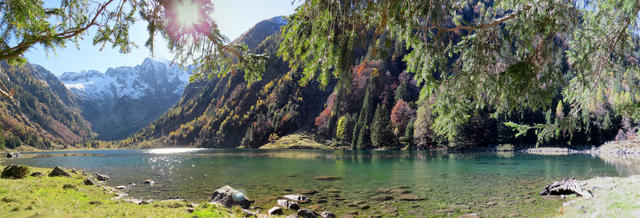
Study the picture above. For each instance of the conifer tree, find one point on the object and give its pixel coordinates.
(381, 135)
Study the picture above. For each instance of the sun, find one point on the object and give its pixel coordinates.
(188, 13)
(189, 17)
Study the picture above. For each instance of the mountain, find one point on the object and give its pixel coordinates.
(123, 100)
(43, 112)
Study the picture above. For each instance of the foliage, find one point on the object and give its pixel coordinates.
(475, 55)
(401, 114)
(381, 135)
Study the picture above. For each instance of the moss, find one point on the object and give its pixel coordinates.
(37, 196)
(296, 141)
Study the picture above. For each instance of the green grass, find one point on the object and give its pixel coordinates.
(44, 196)
(614, 197)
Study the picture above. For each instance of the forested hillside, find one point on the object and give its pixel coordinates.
(377, 106)
(42, 113)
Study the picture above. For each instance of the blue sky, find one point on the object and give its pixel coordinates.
(234, 17)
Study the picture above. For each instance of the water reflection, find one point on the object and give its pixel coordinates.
(172, 150)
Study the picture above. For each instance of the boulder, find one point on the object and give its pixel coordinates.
(121, 187)
(298, 198)
(69, 186)
(327, 214)
(57, 171)
(13, 155)
(566, 187)
(292, 205)
(306, 213)
(276, 211)
(101, 177)
(15, 172)
(148, 181)
(37, 174)
(88, 181)
(292, 216)
(228, 197)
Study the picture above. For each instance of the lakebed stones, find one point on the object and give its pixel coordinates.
(15, 172)
(409, 197)
(276, 211)
(292, 205)
(228, 197)
(149, 182)
(328, 178)
(101, 177)
(57, 171)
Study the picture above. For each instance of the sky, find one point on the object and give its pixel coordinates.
(233, 17)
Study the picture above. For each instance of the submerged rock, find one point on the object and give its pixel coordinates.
(276, 211)
(328, 178)
(409, 197)
(292, 205)
(469, 215)
(228, 197)
(15, 171)
(566, 187)
(298, 198)
(101, 177)
(57, 171)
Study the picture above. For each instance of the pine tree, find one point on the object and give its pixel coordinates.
(402, 92)
(381, 135)
(360, 132)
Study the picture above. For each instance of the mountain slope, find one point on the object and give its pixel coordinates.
(123, 100)
(43, 111)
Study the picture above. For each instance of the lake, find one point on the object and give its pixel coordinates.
(419, 183)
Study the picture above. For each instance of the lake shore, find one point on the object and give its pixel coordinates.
(613, 197)
(61, 196)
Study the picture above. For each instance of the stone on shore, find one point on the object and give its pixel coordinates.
(148, 181)
(292, 205)
(101, 177)
(57, 171)
(327, 214)
(298, 198)
(15, 172)
(304, 212)
(276, 211)
(566, 187)
(13, 155)
(88, 181)
(228, 197)
(37, 174)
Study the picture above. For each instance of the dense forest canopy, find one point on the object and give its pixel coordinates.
(578, 59)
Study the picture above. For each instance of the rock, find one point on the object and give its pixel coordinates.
(120, 187)
(88, 181)
(321, 201)
(101, 177)
(69, 186)
(298, 198)
(13, 155)
(248, 213)
(409, 197)
(228, 197)
(57, 171)
(275, 211)
(95, 202)
(292, 205)
(148, 181)
(328, 178)
(327, 214)
(191, 210)
(292, 216)
(306, 213)
(37, 174)
(364, 207)
(383, 198)
(566, 187)
(15, 172)
(492, 203)
(469, 215)
(398, 191)
(151, 201)
(332, 190)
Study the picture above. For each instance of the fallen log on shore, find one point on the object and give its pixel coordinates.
(567, 187)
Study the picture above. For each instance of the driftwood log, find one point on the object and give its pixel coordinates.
(567, 187)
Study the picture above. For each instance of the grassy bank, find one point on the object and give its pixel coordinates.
(296, 141)
(45, 196)
(613, 197)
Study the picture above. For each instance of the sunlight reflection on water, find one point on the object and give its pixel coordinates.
(172, 150)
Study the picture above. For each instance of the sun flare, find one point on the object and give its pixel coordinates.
(188, 13)
(189, 17)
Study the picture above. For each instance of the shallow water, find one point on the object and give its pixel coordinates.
(448, 184)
